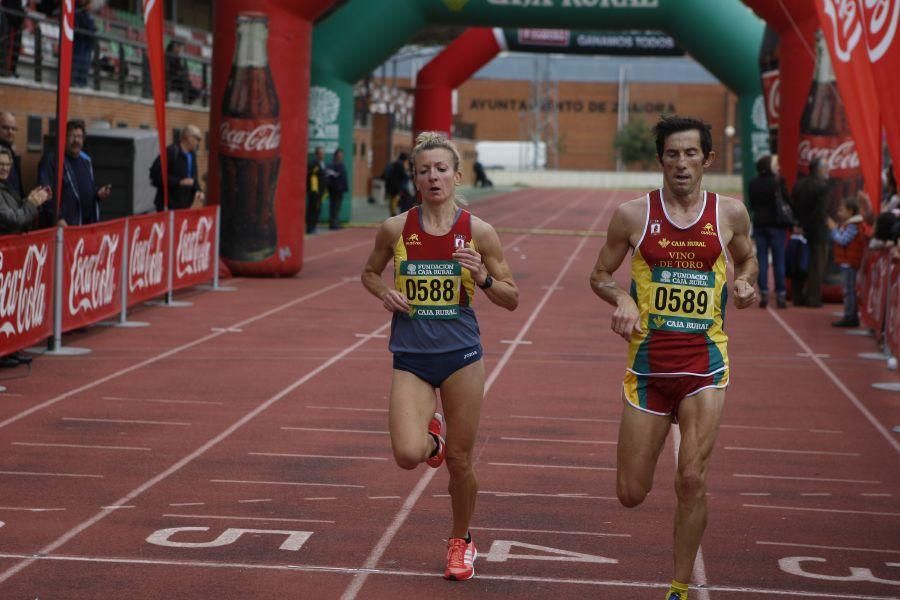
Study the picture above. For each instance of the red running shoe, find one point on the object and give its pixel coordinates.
(434, 428)
(460, 559)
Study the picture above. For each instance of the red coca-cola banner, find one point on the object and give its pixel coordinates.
(92, 273)
(63, 79)
(148, 257)
(892, 326)
(880, 21)
(26, 283)
(153, 24)
(195, 236)
(871, 289)
(843, 33)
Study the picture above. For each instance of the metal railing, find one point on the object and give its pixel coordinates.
(116, 64)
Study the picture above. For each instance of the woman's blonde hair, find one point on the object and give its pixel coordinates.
(432, 140)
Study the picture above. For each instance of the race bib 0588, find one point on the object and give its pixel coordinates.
(432, 288)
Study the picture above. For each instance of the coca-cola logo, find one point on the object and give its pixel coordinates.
(880, 19)
(250, 136)
(842, 157)
(145, 263)
(194, 252)
(93, 276)
(69, 19)
(771, 81)
(23, 293)
(846, 29)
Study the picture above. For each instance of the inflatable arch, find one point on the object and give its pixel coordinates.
(361, 34)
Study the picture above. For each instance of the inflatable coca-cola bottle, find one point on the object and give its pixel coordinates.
(771, 80)
(825, 132)
(249, 147)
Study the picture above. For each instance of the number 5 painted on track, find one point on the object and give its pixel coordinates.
(294, 541)
(794, 566)
(500, 552)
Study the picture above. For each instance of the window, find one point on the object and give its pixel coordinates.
(35, 141)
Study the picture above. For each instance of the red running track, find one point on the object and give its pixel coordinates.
(237, 448)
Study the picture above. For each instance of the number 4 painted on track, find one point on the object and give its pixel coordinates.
(294, 541)
(501, 552)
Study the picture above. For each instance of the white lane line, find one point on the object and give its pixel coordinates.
(779, 451)
(787, 478)
(554, 441)
(384, 497)
(41, 474)
(574, 496)
(254, 500)
(118, 506)
(522, 342)
(30, 509)
(885, 433)
(876, 495)
(378, 551)
(553, 581)
(322, 498)
(128, 421)
(378, 410)
(826, 510)
(187, 504)
(795, 545)
(577, 419)
(813, 494)
(756, 493)
(163, 355)
(238, 518)
(295, 483)
(85, 446)
(553, 531)
(316, 456)
(162, 400)
(226, 329)
(71, 533)
(534, 466)
(367, 336)
(309, 259)
(368, 431)
(765, 428)
(826, 431)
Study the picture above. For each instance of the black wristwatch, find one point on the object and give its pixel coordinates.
(488, 282)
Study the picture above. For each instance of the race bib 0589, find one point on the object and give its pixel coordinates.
(681, 300)
(432, 288)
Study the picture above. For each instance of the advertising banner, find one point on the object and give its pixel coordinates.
(871, 289)
(892, 326)
(26, 284)
(195, 236)
(153, 23)
(92, 273)
(148, 257)
(619, 43)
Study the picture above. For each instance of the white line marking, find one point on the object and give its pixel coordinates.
(161, 401)
(807, 355)
(756, 493)
(825, 431)
(316, 456)
(118, 506)
(776, 450)
(379, 410)
(128, 421)
(226, 329)
(533, 466)
(162, 356)
(763, 428)
(827, 510)
(576, 496)
(749, 476)
(384, 497)
(577, 419)
(298, 483)
(877, 495)
(322, 498)
(254, 500)
(557, 532)
(309, 259)
(235, 518)
(816, 494)
(367, 336)
(335, 430)
(28, 509)
(39, 474)
(378, 551)
(599, 583)
(795, 545)
(71, 533)
(523, 342)
(187, 504)
(42, 445)
(555, 441)
(840, 384)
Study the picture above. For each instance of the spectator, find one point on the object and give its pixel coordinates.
(177, 74)
(891, 198)
(809, 199)
(336, 175)
(767, 190)
(481, 178)
(315, 188)
(83, 44)
(398, 185)
(849, 236)
(11, 21)
(8, 130)
(181, 178)
(16, 216)
(80, 198)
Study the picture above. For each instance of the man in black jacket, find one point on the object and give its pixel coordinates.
(182, 177)
(810, 198)
(769, 231)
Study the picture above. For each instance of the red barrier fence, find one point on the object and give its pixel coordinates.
(104, 269)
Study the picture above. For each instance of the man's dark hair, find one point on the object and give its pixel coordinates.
(764, 165)
(675, 124)
(884, 225)
(402, 156)
(75, 124)
(851, 203)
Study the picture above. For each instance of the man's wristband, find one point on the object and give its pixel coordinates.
(488, 282)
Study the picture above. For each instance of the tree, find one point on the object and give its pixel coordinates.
(636, 143)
